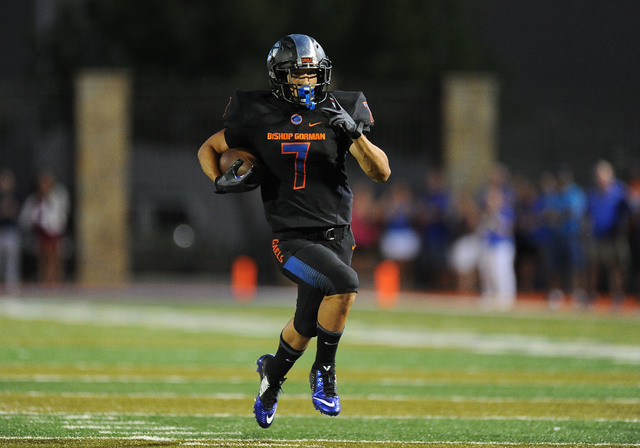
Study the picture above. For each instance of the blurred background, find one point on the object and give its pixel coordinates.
(563, 78)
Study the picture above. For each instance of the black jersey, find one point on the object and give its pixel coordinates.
(305, 182)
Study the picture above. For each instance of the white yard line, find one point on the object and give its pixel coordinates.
(75, 312)
(492, 343)
(108, 420)
(305, 397)
(310, 443)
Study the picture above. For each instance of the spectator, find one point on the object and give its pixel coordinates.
(497, 272)
(45, 213)
(464, 252)
(562, 212)
(400, 241)
(10, 244)
(607, 218)
(434, 222)
(500, 178)
(548, 210)
(572, 203)
(366, 222)
(526, 235)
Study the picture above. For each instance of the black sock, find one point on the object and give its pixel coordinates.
(327, 347)
(284, 359)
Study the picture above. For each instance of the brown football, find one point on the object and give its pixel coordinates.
(230, 156)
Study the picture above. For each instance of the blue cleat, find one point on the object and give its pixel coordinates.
(265, 404)
(323, 389)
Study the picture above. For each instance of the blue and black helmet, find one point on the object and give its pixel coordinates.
(298, 52)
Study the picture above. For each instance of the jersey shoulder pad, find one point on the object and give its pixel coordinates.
(347, 99)
(240, 115)
(245, 101)
(356, 105)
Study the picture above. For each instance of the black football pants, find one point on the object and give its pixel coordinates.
(320, 266)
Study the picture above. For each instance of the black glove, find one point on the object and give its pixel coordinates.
(230, 182)
(338, 117)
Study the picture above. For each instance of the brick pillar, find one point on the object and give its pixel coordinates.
(103, 122)
(470, 123)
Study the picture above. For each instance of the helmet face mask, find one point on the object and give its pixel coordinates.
(291, 54)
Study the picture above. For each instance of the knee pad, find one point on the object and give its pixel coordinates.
(335, 279)
(343, 280)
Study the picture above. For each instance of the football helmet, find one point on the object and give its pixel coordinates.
(298, 52)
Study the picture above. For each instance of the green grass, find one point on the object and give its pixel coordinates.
(130, 373)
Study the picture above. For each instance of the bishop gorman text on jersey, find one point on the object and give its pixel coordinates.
(306, 136)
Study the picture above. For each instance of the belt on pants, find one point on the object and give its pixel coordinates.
(315, 233)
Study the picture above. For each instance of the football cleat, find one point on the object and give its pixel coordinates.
(266, 402)
(323, 389)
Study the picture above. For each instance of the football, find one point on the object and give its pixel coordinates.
(230, 156)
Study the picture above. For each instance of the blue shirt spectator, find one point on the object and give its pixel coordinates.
(607, 208)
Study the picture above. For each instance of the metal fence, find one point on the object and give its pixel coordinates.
(171, 118)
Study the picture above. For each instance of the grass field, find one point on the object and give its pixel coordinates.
(130, 371)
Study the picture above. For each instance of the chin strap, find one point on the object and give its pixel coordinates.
(306, 92)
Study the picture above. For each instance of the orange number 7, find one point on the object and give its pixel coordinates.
(301, 150)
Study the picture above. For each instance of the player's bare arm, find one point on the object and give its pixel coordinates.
(229, 181)
(373, 161)
(209, 154)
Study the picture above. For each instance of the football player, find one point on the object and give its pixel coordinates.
(302, 133)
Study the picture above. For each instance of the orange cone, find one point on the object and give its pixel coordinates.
(387, 283)
(244, 278)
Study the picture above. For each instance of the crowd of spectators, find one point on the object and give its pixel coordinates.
(550, 236)
(39, 223)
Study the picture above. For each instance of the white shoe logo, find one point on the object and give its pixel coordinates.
(325, 402)
(270, 418)
(326, 368)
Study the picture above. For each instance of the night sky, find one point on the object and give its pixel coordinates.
(569, 45)
(571, 91)
(549, 44)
